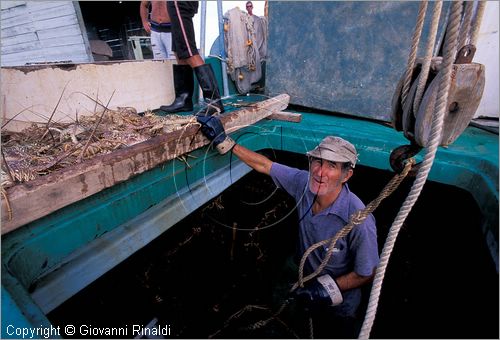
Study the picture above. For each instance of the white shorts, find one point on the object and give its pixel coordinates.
(161, 43)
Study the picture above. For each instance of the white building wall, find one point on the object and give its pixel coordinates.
(33, 94)
(488, 54)
(41, 31)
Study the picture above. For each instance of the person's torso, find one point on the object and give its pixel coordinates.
(314, 228)
(159, 13)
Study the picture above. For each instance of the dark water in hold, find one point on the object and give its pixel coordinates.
(440, 283)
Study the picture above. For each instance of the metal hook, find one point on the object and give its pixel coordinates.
(401, 154)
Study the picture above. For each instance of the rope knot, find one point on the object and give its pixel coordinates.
(357, 218)
(410, 162)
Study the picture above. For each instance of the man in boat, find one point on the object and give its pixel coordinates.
(324, 204)
(188, 59)
(157, 24)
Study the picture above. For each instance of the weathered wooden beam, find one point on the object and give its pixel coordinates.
(32, 200)
(286, 116)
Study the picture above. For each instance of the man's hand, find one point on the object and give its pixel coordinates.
(144, 12)
(321, 291)
(147, 26)
(212, 128)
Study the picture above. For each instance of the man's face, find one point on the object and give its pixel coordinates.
(326, 177)
(249, 8)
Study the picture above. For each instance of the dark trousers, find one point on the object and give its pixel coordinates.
(326, 324)
(183, 36)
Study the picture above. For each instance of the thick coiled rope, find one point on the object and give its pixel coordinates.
(413, 51)
(476, 24)
(424, 73)
(466, 24)
(435, 139)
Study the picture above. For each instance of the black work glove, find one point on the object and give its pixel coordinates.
(320, 291)
(212, 128)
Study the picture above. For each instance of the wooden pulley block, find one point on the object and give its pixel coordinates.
(396, 103)
(466, 90)
(408, 116)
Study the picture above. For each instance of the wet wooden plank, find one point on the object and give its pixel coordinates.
(286, 116)
(35, 199)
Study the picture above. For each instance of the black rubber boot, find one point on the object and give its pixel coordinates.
(208, 84)
(184, 86)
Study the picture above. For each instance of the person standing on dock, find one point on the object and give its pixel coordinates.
(249, 7)
(324, 204)
(157, 24)
(189, 59)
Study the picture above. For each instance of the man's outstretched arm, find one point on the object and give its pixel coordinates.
(253, 159)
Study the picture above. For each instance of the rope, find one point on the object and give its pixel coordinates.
(435, 139)
(251, 54)
(356, 218)
(466, 24)
(264, 322)
(477, 22)
(413, 51)
(229, 51)
(424, 73)
(311, 328)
